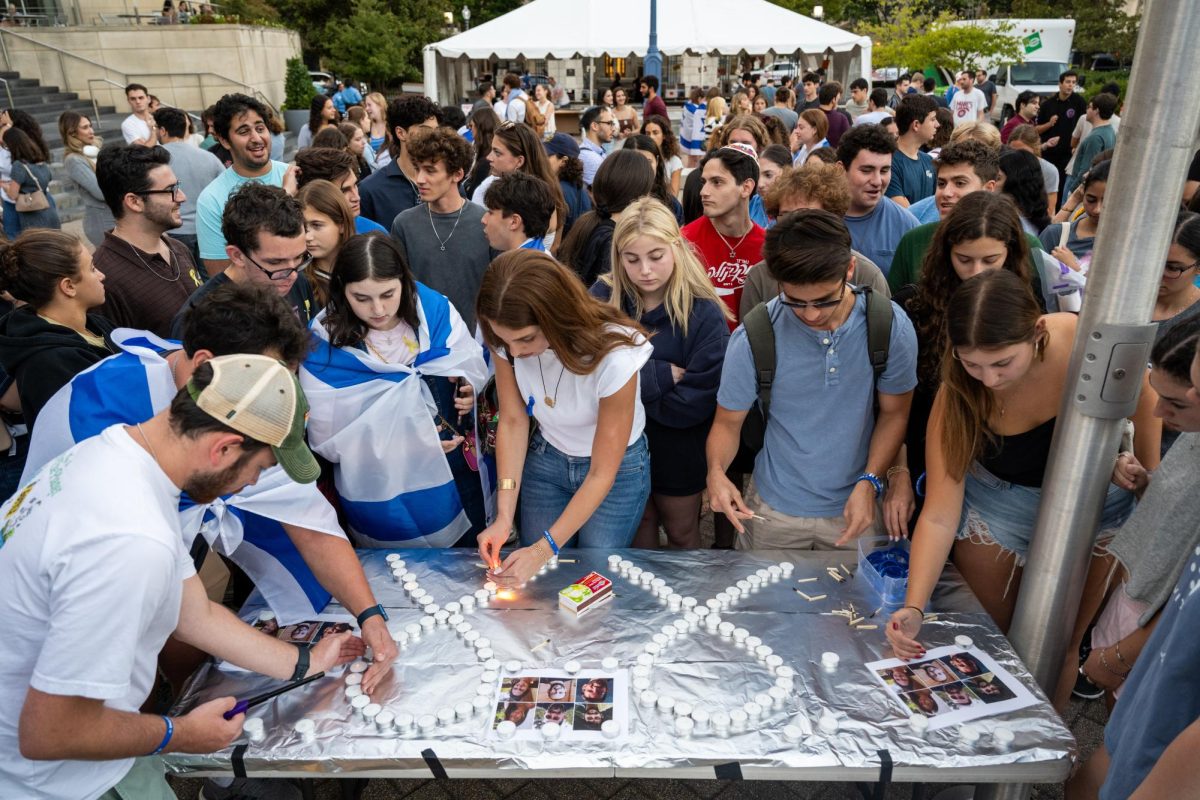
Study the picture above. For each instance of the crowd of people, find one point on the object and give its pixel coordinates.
(824, 318)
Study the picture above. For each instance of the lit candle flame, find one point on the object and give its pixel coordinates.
(505, 594)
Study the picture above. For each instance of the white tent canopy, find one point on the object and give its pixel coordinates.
(620, 28)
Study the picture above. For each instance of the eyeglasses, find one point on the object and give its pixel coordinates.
(1173, 269)
(281, 274)
(175, 190)
(802, 305)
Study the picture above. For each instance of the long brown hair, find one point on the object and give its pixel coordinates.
(328, 199)
(992, 310)
(68, 124)
(520, 140)
(977, 215)
(376, 256)
(526, 287)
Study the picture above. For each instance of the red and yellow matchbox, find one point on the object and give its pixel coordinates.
(586, 593)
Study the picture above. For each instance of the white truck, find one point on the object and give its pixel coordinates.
(1047, 45)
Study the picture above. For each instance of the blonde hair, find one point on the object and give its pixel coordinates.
(716, 108)
(982, 132)
(688, 284)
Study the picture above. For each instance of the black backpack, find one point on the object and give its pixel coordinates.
(761, 336)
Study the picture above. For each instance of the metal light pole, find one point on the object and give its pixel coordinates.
(653, 64)
(1112, 342)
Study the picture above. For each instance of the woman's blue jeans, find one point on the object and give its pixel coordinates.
(551, 478)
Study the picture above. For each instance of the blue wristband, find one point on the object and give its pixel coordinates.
(874, 481)
(550, 540)
(166, 737)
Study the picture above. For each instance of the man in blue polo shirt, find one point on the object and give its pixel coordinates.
(822, 468)
(875, 224)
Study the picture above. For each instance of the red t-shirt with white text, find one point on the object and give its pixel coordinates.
(728, 274)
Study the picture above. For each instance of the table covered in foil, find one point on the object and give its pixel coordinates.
(705, 669)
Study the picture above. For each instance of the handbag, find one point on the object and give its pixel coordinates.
(32, 201)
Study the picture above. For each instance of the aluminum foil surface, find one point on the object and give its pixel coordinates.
(699, 667)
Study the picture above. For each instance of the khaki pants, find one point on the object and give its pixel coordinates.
(144, 781)
(779, 531)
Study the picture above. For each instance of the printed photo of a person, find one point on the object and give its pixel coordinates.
(898, 678)
(556, 690)
(990, 689)
(922, 701)
(554, 712)
(516, 713)
(932, 673)
(590, 716)
(965, 665)
(520, 690)
(956, 695)
(594, 690)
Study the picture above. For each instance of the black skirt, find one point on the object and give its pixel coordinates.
(678, 467)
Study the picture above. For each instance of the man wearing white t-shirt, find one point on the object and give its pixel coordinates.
(968, 104)
(96, 577)
(139, 127)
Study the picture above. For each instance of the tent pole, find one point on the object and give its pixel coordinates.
(1146, 185)
(591, 81)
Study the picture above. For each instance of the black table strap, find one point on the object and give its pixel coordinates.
(434, 764)
(237, 757)
(728, 772)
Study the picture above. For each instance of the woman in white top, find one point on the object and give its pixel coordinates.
(572, 363)
(546, 106)
(390, 385)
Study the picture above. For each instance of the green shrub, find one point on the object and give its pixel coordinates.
(297, 87)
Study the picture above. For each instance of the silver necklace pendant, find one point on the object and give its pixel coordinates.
(442, 248)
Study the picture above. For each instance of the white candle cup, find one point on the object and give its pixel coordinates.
(354, 679)
(572, 667)
(684, 726)
(744, 586)
(775, 572)
(778, 696)
(427, 623)
(641, 684)
(683, 709)
(689, 603)
(488, 676)
(785, 683)
(512, 666)
(763, 573)
(785, 671)
(551, 731)
(431, 608)
(254, 729)
(484, 654)
(479, 705)
(455, 620)
(723, 600)
(358, 666)
(828, 723)
(968, 734)
(467, 601)
(454, 607)
(762, 651)
(753, 710)
(682, 626)
(646, 578)
(670, 631)
(392, 558)
(404, 722)
(726, 629)
(492, 664)
(400, 638)
(625, 565)
(829, 661)
(441, 617)
(713, 605)
(712, 621)
(919, 724)
(398, 575)
(470, 637)
(635, 573)
(482, 642)
(773, 661)
(720, 723)
(653, 650)
(385, 721)
(734, 593)
(614, 561)
(490, 587)
(755, 581)
(965, 642)
(413, 630)
(360, 702)
(609, 663)
(661, 639)
(648, 698)
(445, 716)
(752, 643)
(641, 671)
(306, 729)
(485, 690)
(740, 635)
(666, 704)
(506, 730)
(703, 612)
(1003, 738)
(692, 618)
(370, 711)
(419, 594)
(352, 692)
(610, 729)
(462, 628)
(410, 587)
(674, 602)
(786, 567)
(700, 717)
(738, 719)
(792, 733)
(481, 597)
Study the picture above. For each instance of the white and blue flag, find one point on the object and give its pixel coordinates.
(134, 385)
(375, 422)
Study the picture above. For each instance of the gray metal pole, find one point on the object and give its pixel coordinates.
(1112, 344)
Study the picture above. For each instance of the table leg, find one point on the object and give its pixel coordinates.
(353, 788)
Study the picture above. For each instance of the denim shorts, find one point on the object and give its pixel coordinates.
(551, 478)
(995, 510)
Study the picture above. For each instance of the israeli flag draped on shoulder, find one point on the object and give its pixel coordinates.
(373, 421)
(134, 385)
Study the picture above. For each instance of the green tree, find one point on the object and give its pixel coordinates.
(298, 89)
(961, 47)
(373, 44)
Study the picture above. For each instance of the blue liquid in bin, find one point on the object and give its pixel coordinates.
(883, 564)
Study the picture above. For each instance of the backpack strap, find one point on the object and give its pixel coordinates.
(761, 337)
(879, 329)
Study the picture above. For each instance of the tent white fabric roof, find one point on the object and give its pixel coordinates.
(564, 28)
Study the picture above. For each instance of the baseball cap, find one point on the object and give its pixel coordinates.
(260, 397)
(560, 144)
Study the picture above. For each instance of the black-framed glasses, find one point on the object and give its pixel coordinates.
(1174, 269)
(281, 274)
(801, 305)
(175, 190)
